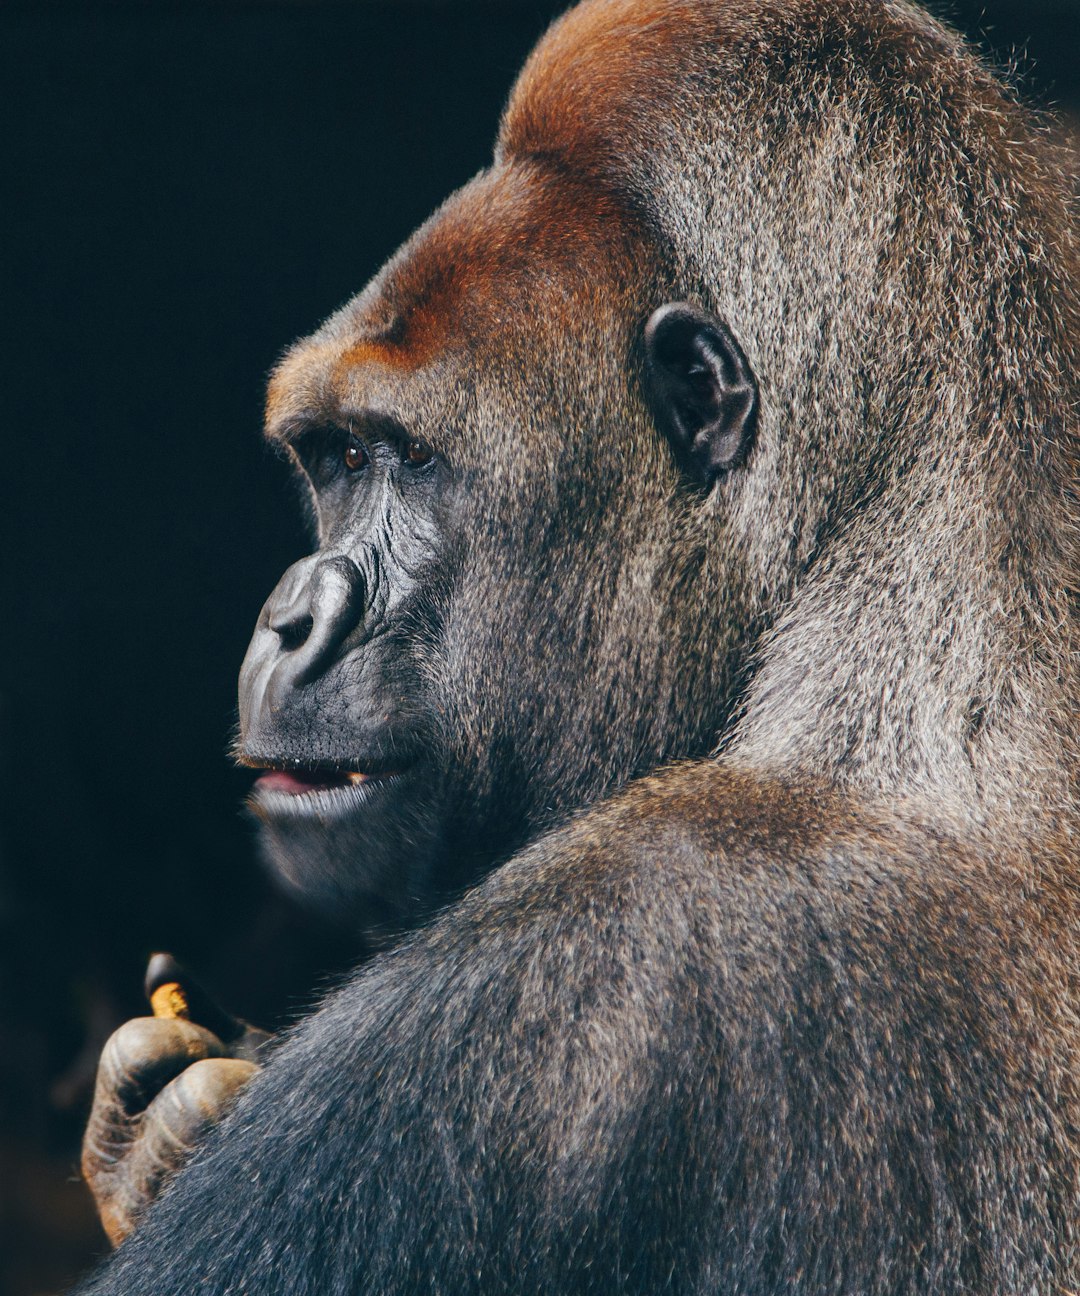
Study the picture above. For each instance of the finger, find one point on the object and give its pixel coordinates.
(146, 1053)
(172, 1127)
(181, 1114)
(138, 1060)
(174, 992)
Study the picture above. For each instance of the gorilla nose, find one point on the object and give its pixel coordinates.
(316, 606)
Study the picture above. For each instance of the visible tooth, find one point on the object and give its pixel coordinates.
(355, 777)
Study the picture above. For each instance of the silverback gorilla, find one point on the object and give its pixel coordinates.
(689, 659)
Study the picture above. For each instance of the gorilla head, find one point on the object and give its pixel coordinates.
(573, 447)
(492, 631)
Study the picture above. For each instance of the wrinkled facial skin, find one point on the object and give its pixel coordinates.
(486, 638)
(331, 695)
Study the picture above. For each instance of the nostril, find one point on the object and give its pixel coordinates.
(316, 606)
(293, 631)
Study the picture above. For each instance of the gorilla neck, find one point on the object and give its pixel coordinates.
(931, 689)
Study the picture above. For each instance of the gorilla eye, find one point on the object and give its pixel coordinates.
(356, 455)
(418, 453)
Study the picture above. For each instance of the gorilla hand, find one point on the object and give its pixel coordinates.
(162, 1083)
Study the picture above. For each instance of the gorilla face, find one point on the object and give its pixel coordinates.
(333, 699)
(489, 634)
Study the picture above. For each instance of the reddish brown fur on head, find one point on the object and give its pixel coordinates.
(517, 247)
(604, 73)
(619, 97)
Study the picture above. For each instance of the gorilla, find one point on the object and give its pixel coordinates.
(684, 692)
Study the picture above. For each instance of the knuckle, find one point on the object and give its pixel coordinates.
(142, 1056)
(210, 1086)
(133, 1042)
(147, 1040)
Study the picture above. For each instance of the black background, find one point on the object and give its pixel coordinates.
(187, 189)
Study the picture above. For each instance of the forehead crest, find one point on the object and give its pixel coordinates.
(602, 74)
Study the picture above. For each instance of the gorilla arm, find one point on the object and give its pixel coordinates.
(686, 1043)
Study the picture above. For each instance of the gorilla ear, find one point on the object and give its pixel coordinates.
(702, 390)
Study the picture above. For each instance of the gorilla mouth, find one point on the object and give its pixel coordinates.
(300, 782)
(295, 789)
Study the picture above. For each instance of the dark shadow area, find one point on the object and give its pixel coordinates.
(190, 187)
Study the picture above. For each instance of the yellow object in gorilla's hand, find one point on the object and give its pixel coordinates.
(169, 1000)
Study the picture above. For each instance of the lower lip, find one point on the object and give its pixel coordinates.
(277, 794)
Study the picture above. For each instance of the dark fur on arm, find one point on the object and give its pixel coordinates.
(686, 1044)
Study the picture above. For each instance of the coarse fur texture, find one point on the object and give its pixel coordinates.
(776, 985)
